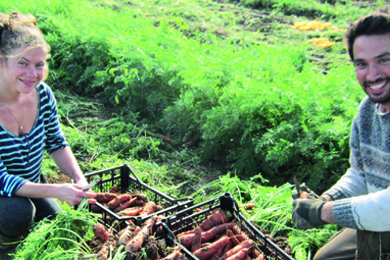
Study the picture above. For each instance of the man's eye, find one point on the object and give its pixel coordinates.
(384, 60)
(22, 63)
(359, 64)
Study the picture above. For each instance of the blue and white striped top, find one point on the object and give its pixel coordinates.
(21, 156)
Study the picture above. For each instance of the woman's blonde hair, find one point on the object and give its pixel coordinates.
(20, 31)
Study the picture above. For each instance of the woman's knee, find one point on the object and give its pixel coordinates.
(16, 215)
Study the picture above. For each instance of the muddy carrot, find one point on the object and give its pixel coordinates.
(233, 238)
(239, 255)
(149, 208)
(197, 239)
(130, 212)
(118, 200)
(215, 231)
(243, 245)
(217, 218)
(100, 231)
(125, 205)
(136, 242)
(104, 197)
(206, 252)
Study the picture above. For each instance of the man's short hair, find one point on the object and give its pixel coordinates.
(376, 23)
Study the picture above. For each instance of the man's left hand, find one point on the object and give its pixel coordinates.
(307, 213)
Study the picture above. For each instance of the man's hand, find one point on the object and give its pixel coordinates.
(307, 213)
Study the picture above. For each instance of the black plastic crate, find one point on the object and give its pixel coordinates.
(190, 218)
(128, 182)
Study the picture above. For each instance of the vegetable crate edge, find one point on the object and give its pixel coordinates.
(128, 182)
(191, 217)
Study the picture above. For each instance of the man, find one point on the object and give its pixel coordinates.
(360, 201)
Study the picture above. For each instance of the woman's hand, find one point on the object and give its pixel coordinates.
(73, 194)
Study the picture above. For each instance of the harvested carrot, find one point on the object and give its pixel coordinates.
(103, 253)
(100, 231)
(130, 212)
(125, 235)
(173, 255)
(186, 240)
(197, 240)
(241, 236)
(114, 189)
(95, 208)
(215, 231)
(104, 197)
(118, 200)
(136, 242)
(220, 251)
(233, 238)
(149, 208)
(239, 255)
(142, 197)
(217, 218)
(243, 245)
(207, 252)
(186, 233)
(248, 205)
(125, 205)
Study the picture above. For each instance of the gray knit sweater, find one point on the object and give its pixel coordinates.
(363, 195)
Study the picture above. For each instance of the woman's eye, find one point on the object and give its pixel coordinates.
(22, 63)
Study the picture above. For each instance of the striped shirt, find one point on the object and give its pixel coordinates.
(21, 156)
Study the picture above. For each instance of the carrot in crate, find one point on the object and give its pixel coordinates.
(125, 205)
(149, 208)
(114, 189)
(100, 231)
(241, 236)
(136, 242)
(215, 231)
(207, 252)
(218, 217)
(186, 240)
(118, 200)
(197, 240)
(241, 255)
(233, 238)
(248, 244)
(130, 212)
(104, 197)
(173, 255)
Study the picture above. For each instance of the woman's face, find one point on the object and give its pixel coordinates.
(24, 69)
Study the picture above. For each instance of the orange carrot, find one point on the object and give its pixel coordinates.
(125, 205)
(248, 206)
(243, 245)
(130, 212)
(142, 197)
(173, 255)
(103, 253)
(217, 218)
(149, 208)
(206, 252)
(196, 241)
(100, 231)
(241, 236)
(114, 189)
(215, 231)
(232, 238)
(126, 234)
(239, 255)
(136, 242)
(104, 197)
(186, 240)
(118, 200)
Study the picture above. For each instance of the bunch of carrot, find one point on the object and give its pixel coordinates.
(132, 238)
(216, 238)
(125, 205)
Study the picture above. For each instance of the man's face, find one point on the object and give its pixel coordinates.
(372, 66)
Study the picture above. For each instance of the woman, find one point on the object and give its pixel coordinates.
(29, 126)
